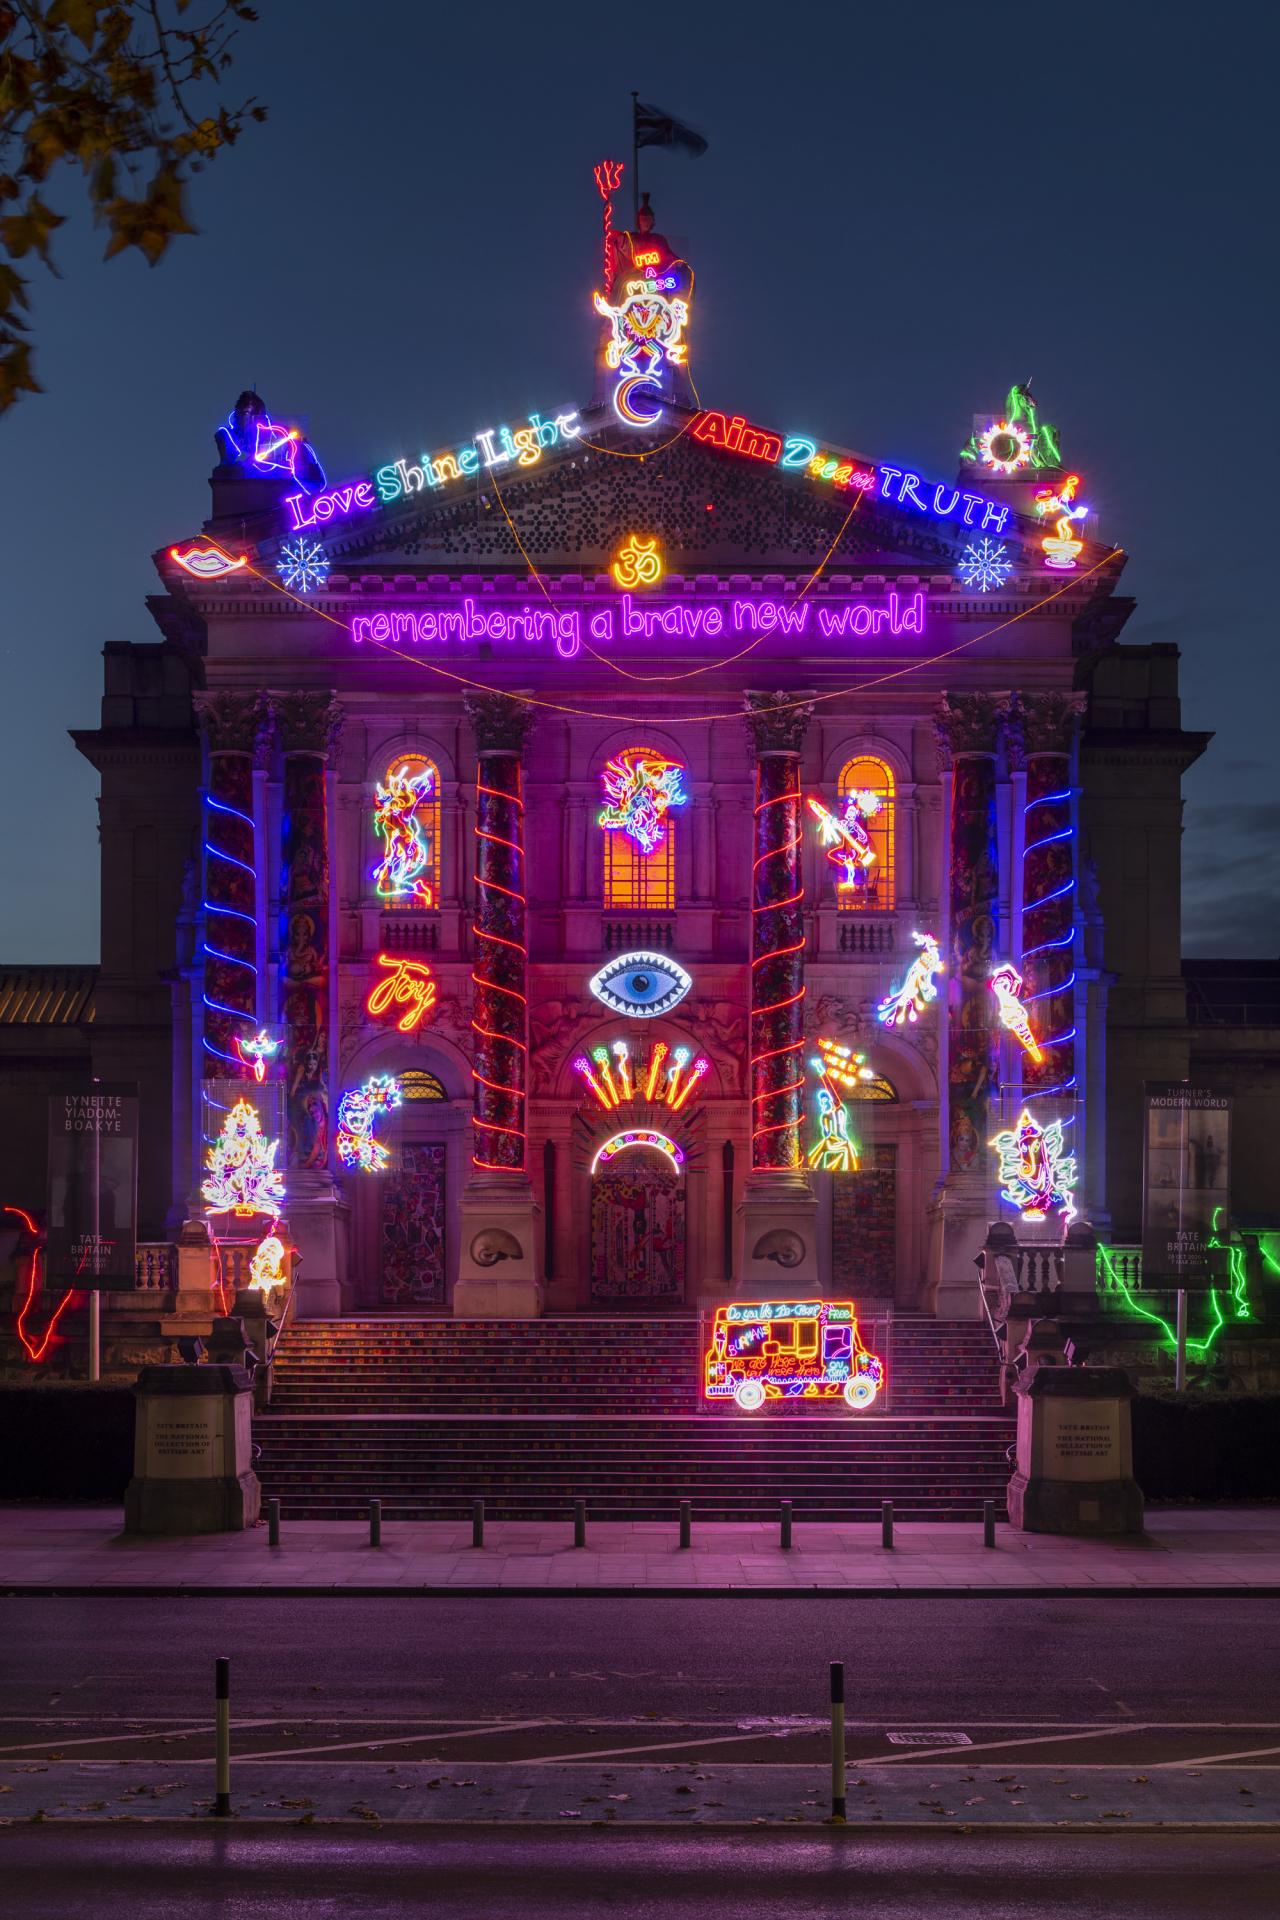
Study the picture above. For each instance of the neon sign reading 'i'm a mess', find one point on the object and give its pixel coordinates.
(633, 619)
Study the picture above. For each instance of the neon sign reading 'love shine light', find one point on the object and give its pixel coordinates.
(632, 619)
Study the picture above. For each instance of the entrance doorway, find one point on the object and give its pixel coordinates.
(412, 1228)
(864, 1238)
(638, 1238)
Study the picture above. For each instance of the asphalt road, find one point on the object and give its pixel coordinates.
(655, 1876)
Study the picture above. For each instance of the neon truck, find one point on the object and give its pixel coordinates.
(790, 1350)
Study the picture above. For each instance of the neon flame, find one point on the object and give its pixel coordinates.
(1006, 984)
(919, 987)
(1038, 1173)
(583, 1066)
(601, 1057)
(847, 842)
(398, 876)
(241, 1175)
(679, 1061)
(659, 1054)
(358, 1110)
(1061, 548)
(639, 564)
(639, 1137)
(640, 785)
(206, 560)
(700, 1066)
(622, 1055)
(256, 1051)
(409, 985)
(662, 1079)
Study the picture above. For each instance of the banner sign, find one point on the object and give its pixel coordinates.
(93, 1187)
(1186, 1191)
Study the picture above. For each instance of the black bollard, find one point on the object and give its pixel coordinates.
(375, 1523)
(886, 1523)
(838, 1801)
(273, 1523)
(477, 1523)
(786, 1524)
(686, 1518)
(222, 1738)
(579, 1523)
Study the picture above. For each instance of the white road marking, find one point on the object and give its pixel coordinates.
(981, 1746)
(1209, 1759)
(661, 1746)
(97, 1739)
(376, 1744)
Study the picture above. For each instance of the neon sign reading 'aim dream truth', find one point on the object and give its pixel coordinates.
(632, 619)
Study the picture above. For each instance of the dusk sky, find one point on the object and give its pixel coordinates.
(897, 217)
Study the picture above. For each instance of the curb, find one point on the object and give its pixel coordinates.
(860, 1828)
(692, 1590)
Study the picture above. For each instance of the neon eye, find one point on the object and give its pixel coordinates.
(641, 984)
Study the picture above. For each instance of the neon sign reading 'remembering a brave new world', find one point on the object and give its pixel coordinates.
(633, 619)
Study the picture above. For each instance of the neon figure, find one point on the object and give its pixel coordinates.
(834, 1150)
(256, 1051)
(640, 785)
(639, 564)
(639, 1137)
(408, 856)
(241, 1173)
(266, 1269)
(919, 987)
(983, 565)
(847, 842)
(253, 438)
(358, 1110)
(206, 560)
(1006, 984)
(1061, 548)
(408, 984)
(1039, 1175)
(790, 1350)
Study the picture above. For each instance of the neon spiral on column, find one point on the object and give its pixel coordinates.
(777, 976)
(500, 1004)
(1048, 926)
(230, 975)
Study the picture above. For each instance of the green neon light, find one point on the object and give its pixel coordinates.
(1198, 1349)
(1269, 1248)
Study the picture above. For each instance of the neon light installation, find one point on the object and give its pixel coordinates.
(230, 973)
(1006, 984)
(640, 785)
(256, 1051)
(1048, 918)
(206, 560)
(1004, 448)
(639, 1137)
(407, 984)
(358, 1112)
(640, 985)
(266, 1269)
(639, 564)
(252, 438)
(1061, 547)
(608, 179)
(983, 566)
(846, 475)
(241, 1175)
(662, 1077)
(499, 1018)
(1039, 1174)
(734, 435)
(790, 1350)
(409, 853)
(304, 564)
(919, 987)
(834, 1150)
(846, 840)
(36, 1351)
(843, 1066)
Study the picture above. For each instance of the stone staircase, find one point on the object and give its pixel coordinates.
(429, 1414)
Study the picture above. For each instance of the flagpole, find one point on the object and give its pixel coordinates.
(635, 163)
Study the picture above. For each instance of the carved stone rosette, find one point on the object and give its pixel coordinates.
(777, 934)
(500, 1014)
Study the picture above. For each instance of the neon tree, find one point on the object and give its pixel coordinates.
(1005, 449)
(407, 984)
(398, 875)
(847, 842)
(241, 1175)
(1006, 984)
(640, 785)
(358, 1111)
(206, 560)
(303, 564)
(639, 1137)
(640, 984)
(662, 1077)
(256, 1051)
(919, 987)
(266, 1269)
(983, 565)
(1061, 547)
(639, 564)
(1038, 1173)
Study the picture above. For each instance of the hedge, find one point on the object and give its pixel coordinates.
(1207, 1446)
(65, 1442)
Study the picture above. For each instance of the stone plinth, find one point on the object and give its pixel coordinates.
(1075, 1453)
(191, 1453)
(498, 1257)
(779, 1214)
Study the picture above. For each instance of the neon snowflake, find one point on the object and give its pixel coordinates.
(241, 1175)
(640, 785)
(983, 565)
(1039, 1174)
(304, 564)
(357, 1111)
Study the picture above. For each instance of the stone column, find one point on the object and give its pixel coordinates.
(780, 1250)
(968, 728)
(1046, 723)
(309, 727)
(232, 724)
(499, 1255)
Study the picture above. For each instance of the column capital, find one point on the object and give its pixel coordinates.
(499, 722)
(1042, 723)
(968, 723)
(232, 722)
(777, 722)
(309, 722)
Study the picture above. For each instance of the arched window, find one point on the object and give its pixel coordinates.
(869, 776)
(640, 788)
(406, 819)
